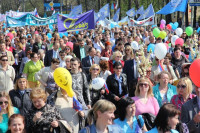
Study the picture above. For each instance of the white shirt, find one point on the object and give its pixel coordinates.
(98, 45)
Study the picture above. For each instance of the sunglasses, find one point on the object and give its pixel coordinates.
(143, 84)
(118, 68)
(95, 69)
(6, 102)
(4, 60)
(181, 86)
(119, 57)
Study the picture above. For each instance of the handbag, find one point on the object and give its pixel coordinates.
(148, 120)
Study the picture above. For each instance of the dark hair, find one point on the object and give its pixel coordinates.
(176, 48)
(61, 52)
(55, 60)
(32, 54)
(75, 59)
(123, 104)
(116, 64)
(14, 116)
(166, 111)
(3, 56)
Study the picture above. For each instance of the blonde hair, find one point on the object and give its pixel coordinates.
(130, 48)
(117, 53)
(93, 66)
(164, 72)
(102, 106)
(38, 93)
(188, 83)
(150, 91)
(16, 87)
(10, 108)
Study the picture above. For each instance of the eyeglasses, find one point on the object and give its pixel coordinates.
(181, 86)
(118, 56)
(4, 60)
(67, 48)
(6, 102)
(143, 84)
(95, 69)
(118, 68)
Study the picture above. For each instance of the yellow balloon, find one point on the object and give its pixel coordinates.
(13, 32)
(63, 79)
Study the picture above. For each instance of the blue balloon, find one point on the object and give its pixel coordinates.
(174, 27)
(176, 24)
(66, 34)
(171, 23)
(103, 31)
(198, 30)
(49, 35)
(151, 47)
(112, 25)
(77, 32)
(51, 27)
(61, 35)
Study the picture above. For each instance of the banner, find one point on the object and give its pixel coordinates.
(140, 10)
(30, 19)
(148, 21)
(19, 14)
(131, 12)
(124, 21)
(147, 13)
(194, 2)
(116, 16)
(84, 21)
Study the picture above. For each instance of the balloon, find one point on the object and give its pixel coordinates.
(194, 72)
(162, 34)
(134, 45)
(10, 35)
(151, 47)
(189, 31)
(63, 79)
(61, 35)
(167, 46)
(162, 26)
(98, 83)
(70, 44)
(51, 27)
(66, 34)
(156, 32)
(160, 51)
(179, 41)
(169, 27)
(198, 30)
(179, 31)
(174, 27)
(77, 32)
(173, 39)
(163, 21)
(176, 24)
(49, 36)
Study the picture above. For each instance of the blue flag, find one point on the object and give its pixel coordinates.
(140, 10)
(76, 10)
(147, 13)
(77, 105)
(116, 16)
(105, 11)
(83, 21)
(173, 6)
(96, 17)
(131, 12)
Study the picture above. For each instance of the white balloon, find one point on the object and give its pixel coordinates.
(173, 39)
(98, 83)
(160, 51)
(179, 31)
(134, 45)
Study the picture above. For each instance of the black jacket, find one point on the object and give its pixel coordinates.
(22, 102)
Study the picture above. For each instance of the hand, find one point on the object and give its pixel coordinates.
(117, 98)
(54, 123)
(197, 118)
(37, 116)
(81, 113)
(102, 91)
(89, 106)
(45, 85)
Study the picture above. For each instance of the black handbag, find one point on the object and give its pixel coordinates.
(148, 120)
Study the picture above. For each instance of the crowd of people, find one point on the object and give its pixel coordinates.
(143, 93)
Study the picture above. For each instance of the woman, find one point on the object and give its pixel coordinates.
(184, 90)
(164, 91)
(127, 119)
(116, 57)
(8, 44)
(20, 95)
(144, 100)
(166, 120)
(67, 62)
(94, 73)
(107, 52)
(128, 53)
(7, 74)
(69, 51)
(45, 77)
(42, 118)
(100, 118)
(16, 124)
(6, 111)
(31, 68)
(104, 69)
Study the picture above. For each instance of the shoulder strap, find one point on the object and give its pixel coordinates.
(87, 129)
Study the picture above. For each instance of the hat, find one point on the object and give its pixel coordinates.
(21, 76)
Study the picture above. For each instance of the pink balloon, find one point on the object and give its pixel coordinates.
(179, 41)
(10, 35)
(162, 26)
(167, 46)
(70, 44)
(36, 32)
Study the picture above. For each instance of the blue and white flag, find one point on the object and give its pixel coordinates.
(147, 13)
(76, 10)
(116, 16)
(96, 17)
(140, 10)
(131, 12)
(124, 21)
(105, 11)
(173, 6)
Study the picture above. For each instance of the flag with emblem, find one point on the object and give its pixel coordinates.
(147, 13)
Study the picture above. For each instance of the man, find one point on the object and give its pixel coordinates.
(89, 60)
(98, 44)
(80, 50)
(29, 46)
(62, 44)
(53, 53)
(9, 54)
(190, 113)
(39, 45)
(79, 83)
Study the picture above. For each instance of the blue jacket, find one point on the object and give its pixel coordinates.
(170, 93)
(112, 129)
(155, 130)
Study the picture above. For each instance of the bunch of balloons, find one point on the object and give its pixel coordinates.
(157, 33)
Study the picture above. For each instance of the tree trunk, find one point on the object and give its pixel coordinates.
(168, 16)
(99, 4)
(129, 4)
(119, 2)
(86, 7)
(194, 19)
(186, 17)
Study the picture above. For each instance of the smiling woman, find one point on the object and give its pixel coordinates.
(16, 124)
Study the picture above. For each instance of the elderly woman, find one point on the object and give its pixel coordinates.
(42, 118)
(100, 118)
(164, 91)
(45, 76)
(67, 62)
(104, 69)
(16, 124)
(7, 74)
(184, 90)
(6, 111)
(117, 57)
(31, 68)
(144, 100)
(20, 96)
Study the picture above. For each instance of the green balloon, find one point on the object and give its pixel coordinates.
(156, 32)
(189, 31)
(169, 44)
(162, 34)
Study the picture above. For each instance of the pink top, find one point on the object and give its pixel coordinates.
(151, 106)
